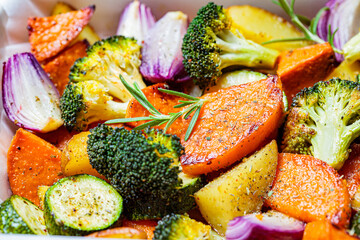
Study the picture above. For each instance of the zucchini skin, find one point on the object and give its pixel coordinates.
(10, 221)
(57, 226)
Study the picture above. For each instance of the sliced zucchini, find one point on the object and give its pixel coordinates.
(20, 216)
(78, 205)
(236, 78)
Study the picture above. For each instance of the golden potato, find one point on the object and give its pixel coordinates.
(239, 191)
(346, 71)
(74, 158)
(259, 25)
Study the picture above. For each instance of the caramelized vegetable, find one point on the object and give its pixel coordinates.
(305, 66)
(147, 226)
(49, 35)
(232, 124)
(59, 67)
(120, 232)
(32, 162)
(323, 230)
(308, 189)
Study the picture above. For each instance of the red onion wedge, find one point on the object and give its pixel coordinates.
(343, 16)
(266, 226)
(29, 97)
(136, 21)
(161, 54)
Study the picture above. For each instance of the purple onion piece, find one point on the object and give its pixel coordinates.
(161, 53)
(343, 15)
(136, 21)
(29, 97)
(267, 226)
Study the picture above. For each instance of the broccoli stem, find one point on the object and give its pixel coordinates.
(239, 51)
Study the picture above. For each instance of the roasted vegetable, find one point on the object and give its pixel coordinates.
(269, 225)
(144, 168)
(120, 232)
(239, 191)
(106, 60)
(209, 46)
(323, 121)
(50, 35)
(86, 102)
(323, 230)
(31, 162)
(308, 189)
(136, 21)
(80, 205)
(342, 20)
(161, 53)
(20, 216)
(29, 97)
(180, 227)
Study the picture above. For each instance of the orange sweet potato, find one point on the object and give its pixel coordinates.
(147, 226)
(305, 66)
(232, 124)
(163, 102)
(59, 67)
(323, 230)
(50, 35)
(351, 170)
(308, 189)
(120, 232)
(32, 162)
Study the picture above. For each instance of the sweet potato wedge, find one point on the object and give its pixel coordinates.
(147, 226)
(232, 124)
(308, 189)
(323, 230)
(351, 169)
(163, 102)
(305, 66)
(32, 162)
(50, 35)
(120, 232)
(58, 68)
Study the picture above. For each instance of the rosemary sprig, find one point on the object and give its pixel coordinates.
(156, 118)
(310, 33)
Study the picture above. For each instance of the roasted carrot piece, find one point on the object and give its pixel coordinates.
(120, 232)
(147, 226)
(232, 124)
(308, 189)
(50, 35)
(305, 66)
(351, 170)
(163, 102)
(59, 67)
(323, 230)
(32, 162)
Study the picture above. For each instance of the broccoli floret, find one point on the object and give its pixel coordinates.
(144, 167)
(324, 120)
(87, 102)
(106, 60)
(180, 227)
(209, 46)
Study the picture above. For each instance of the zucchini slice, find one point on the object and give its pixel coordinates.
(78, 205)
(20, 216)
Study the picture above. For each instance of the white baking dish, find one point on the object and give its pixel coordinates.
(14, 38)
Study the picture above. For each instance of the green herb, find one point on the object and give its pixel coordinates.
(156, 118)
(309, 33)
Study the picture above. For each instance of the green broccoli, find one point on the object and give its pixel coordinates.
(181, 227)
(324, 120)
(209, 46)
(87, 102)
(106, 60)
(144, 167)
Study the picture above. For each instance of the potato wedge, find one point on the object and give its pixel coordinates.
(74, 158)
(346, 70)
(239, 191)
(259, 25)
(87, 33)
(41, 193)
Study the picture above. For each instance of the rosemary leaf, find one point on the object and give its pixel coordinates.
(173, 118)
(179, 94)
(125, 120)
(192, 122)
